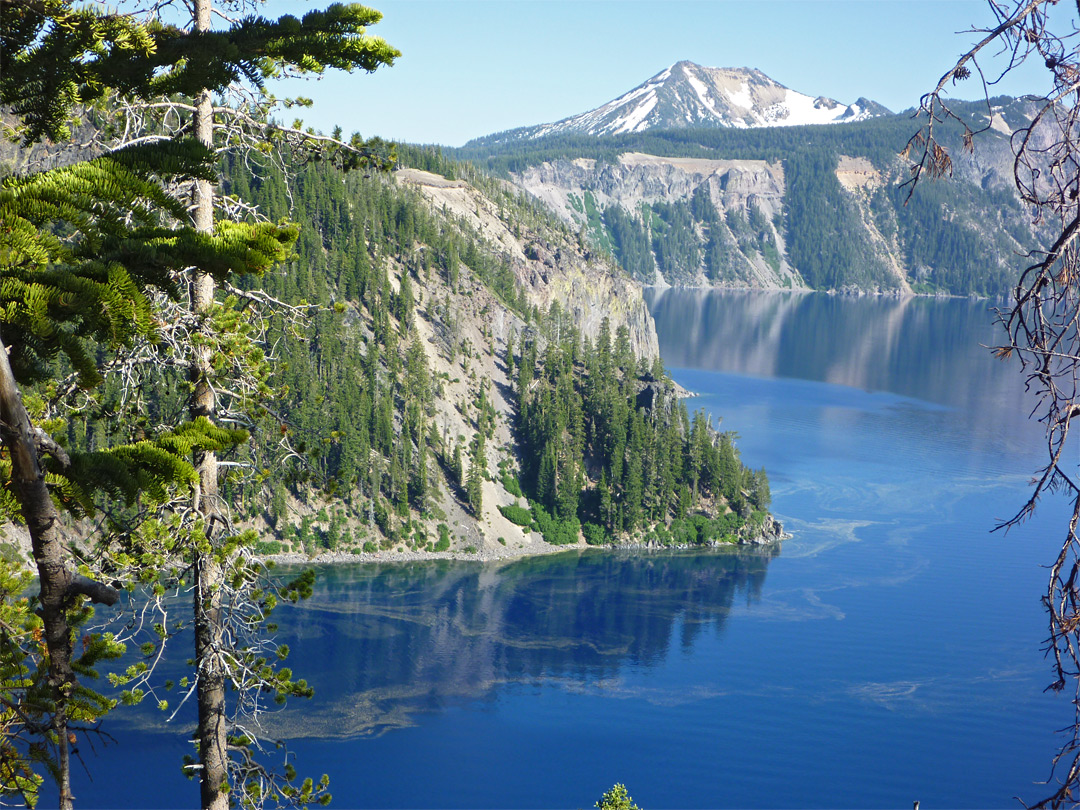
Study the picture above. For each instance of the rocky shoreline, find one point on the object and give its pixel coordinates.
(771, 533)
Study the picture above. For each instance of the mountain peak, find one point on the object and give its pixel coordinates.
(689, 95)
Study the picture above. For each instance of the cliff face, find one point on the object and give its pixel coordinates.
(645, 186)
(639, 178)
(831, 213)
(550, 266)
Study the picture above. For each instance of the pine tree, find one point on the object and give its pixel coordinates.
(53, 59)
(405, 304)
(84, 297)
(474, 484)
(456, 468)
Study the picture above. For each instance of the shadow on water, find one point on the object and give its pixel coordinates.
(381, 643)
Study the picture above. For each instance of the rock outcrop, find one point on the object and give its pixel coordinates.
(576, 188)
(769, 531)
(551, 266)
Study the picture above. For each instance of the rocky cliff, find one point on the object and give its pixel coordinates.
(580, 190)
(550, 266)
(838, 222)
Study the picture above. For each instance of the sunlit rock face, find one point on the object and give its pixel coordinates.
(551, 267)
(634, 181)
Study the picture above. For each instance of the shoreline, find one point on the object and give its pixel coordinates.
(537, 548)
(845, 292)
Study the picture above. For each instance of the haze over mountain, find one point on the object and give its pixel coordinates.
(689, 95)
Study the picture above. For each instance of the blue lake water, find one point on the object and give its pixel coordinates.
(888, 652)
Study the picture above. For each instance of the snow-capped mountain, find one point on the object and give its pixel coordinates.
(689, 95)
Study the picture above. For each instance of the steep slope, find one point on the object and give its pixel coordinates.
(478, 378)
(695, 221)
(822, 207)
(550, 267)
(687, 95)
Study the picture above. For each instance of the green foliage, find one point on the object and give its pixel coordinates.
(84, 253)
(594, 534)
(587, 408)
(511, 485)
(594, 224)
(688, 237)
(558, 532)
(825, 237)
(616, 799)
(630, 243)
(268, 547)
(85, 245)
(53, 57)
(19, 650)
(428, 159)
(27, 704)
(360, 401)
(700, 530)
(444, 538)
(944, 235)
(516, 514)
(474, 484)
(674, 241)
(56, 58)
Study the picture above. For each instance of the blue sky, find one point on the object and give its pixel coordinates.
(472, 68)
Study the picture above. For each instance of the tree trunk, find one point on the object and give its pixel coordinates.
(209, 574)
(58, 585)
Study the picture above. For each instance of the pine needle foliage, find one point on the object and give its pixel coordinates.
(84, 245)
(87, 254)
(55, 58)
(89, 259)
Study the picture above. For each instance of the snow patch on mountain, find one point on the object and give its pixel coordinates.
(634, 121)
(800, 109)
(689, 95)
(702, 94)
(741, 98)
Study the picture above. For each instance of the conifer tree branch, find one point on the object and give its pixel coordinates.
(1041, 319)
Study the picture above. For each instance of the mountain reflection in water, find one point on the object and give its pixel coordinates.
(445, 632)
(914, 347)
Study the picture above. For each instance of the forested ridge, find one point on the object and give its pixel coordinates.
(371, 384)
(387, 390)
(835, 238)
(607, 442)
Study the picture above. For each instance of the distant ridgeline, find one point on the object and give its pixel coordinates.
(458, 371)
(785, 207)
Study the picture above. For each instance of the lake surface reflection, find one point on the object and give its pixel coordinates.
(447, 633)
(890, 652)
(931, 349)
